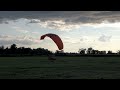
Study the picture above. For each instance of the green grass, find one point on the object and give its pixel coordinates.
(62, 68)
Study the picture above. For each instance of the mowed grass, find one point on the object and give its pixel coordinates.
(62, 68)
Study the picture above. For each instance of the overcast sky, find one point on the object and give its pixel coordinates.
(77, 29)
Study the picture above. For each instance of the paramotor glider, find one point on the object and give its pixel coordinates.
(55, 38)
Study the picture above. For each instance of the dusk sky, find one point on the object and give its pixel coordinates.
(77, 29)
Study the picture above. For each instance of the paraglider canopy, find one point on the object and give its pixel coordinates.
(55, 38)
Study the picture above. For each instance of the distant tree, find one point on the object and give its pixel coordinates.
(7, 51)
(97, 51)
(103, 52)
(13, 48)
(93, 51)
(89, 50)
(1, 49)
(109, 52)
(82, 51)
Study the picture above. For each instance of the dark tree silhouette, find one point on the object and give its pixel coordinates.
(1, 49)
(13, 48)
(22, 51)
(89, 51)
(109, 52)
(82, 51)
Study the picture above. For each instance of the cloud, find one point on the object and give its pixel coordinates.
(104, 38)
(4, 36)
(70, 40)
(22, 40)
(34, 21)
(58, 25)
(61, 20)
(35, 33)
(22, 31)
(19, 29)
(84, 38)
(69, 17)
(104, 24)
(80, 39)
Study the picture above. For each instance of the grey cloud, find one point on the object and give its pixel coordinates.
(6, 22)
(107, 13)
(73, 17)
(34, 21)
(4, 36)
(104, 38)
(81, 39)
(8, 40)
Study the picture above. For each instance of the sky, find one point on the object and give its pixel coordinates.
(77, 29)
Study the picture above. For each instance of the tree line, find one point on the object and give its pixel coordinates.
(22, 51)
(89, 52)
(13, 50)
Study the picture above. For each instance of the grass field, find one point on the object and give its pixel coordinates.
(62, 68)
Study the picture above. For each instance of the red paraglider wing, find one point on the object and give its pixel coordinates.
(55, 38)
